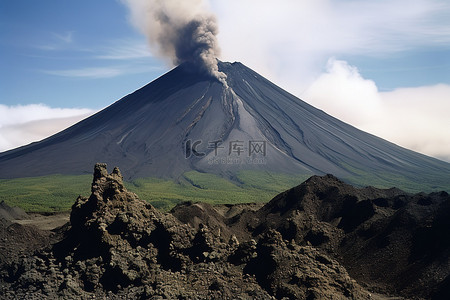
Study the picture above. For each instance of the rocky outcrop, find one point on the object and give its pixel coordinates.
(390, 241)
(310, 242)
(290, 271)
(12, 213)
(119, 246)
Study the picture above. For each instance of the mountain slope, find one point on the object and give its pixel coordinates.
(187, 121)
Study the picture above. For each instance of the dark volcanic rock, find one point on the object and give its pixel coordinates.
(12, 213)
(310, 242)
(120, 246)
(389, 240)
(122, 233)
(300, 272)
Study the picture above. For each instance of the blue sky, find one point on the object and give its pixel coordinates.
(71, 53)
(414, 67)
(80, 56)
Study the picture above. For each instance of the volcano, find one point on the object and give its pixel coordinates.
(185, 120)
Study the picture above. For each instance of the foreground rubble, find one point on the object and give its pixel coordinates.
(295, 247)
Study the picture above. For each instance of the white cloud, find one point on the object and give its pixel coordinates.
(58, 41)
(23, 124)
(102, 72)
(126, 49)
(115, 58)
(289, 41)
(344, 93)
(106, 72)
(66, 37)
(415, 118)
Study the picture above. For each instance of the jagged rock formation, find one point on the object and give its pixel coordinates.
(383, 237)
(120, 246)
(390, 241)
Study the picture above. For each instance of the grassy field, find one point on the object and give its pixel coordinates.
(194, 186)
(58, 192)
(46, 193)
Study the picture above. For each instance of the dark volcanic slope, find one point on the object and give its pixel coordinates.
(120, 247)
(390, 241)
(145, 132)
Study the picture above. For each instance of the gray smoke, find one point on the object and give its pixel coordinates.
(181, 30)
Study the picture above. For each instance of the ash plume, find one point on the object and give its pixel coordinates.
(182, 31)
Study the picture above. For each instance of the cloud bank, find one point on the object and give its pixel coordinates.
(415, 118)
(290, 41)
(119, 57)
(23, 124)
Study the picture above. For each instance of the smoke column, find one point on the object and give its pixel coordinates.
(181, 30)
